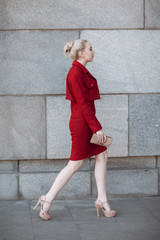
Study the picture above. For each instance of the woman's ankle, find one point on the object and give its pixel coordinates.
(49, 199)
(102, 199)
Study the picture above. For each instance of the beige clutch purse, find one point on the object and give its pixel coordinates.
(94, 140)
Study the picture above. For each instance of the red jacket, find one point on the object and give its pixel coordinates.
(82, 88)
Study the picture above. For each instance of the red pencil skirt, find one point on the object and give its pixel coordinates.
(81, 135)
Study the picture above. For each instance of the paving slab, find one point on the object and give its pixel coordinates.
(137, 218)
(103, 231)
(153, 207)
(18, 233)
(141, 230)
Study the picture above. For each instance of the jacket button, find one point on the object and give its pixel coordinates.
(91, 85)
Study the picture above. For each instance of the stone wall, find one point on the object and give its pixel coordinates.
(34, 134)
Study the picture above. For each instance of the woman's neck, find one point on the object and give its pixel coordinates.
(84, 63)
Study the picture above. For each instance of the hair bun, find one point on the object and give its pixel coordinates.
(68, 46)
(73, 48)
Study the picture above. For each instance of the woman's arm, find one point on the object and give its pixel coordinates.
(79, 91)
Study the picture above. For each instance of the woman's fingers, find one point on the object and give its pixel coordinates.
(101, 138)
(105, 138)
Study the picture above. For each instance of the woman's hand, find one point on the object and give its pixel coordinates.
(101, 137)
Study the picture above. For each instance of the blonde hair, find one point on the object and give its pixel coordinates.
(73, 47)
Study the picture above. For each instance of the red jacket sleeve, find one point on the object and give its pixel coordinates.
(78, 89)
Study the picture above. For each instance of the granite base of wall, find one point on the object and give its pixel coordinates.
(28, 179)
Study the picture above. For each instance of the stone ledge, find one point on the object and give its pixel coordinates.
(129, 163)
(130, 182)
(79, 185)
(48, 165)
(159, 182)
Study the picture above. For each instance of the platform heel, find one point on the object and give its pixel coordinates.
(43, 213)
(107, 213)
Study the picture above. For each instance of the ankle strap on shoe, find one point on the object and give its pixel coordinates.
(45, 200)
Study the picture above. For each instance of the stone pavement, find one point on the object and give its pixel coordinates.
(137, 218)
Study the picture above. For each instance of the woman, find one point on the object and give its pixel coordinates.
(81, 90)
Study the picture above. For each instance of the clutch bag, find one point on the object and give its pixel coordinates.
(94, 140)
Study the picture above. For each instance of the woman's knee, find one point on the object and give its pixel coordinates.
(102, 156)
(75, 164)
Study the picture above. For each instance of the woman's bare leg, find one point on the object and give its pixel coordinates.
(100, 175)
(62, 178)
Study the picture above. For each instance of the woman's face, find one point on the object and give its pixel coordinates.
(88, 53)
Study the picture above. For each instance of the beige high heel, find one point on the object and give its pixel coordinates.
(43, 214)
(107, 213)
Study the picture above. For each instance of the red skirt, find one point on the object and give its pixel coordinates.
(81, 135)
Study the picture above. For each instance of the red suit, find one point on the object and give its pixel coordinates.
(82, 90)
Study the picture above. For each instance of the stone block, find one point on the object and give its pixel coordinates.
(144, 125)
(8, 186)
(22, 128)
(79, 185)
(125, 61)
(130, 182)
(129, 163)
(70, 14)
(8, 166)
(132, 163)
(159, 182)
(47, 165)
(58, 134)
(152, 14)
(158, 162)
(112, 112)
(32, 62)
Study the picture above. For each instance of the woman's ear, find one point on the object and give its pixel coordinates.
(80, 54)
